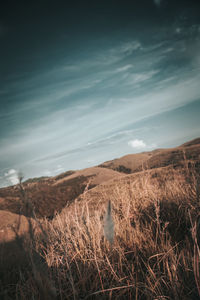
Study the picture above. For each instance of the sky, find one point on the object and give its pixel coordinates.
(91, 81)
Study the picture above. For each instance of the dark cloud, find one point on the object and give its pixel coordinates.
(158, 2)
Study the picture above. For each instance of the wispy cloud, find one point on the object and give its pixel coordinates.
(128, 48)
(136, 78)
(59, 169)
(12, 176)
(158, 2)
(54, 171)
(124, 68)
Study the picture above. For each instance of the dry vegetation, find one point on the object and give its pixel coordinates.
(154, 254)
(51, 195)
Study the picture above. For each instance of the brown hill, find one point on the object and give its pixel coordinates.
(96, 176)
(11, 224)
(152, 212)
(152, 209)
(50, 195)
(123, 187)
(128, 163)
(191, 143)
(178, 156)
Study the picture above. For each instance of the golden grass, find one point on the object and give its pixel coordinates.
(152, 255)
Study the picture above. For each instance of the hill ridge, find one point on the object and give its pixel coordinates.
(51, 195)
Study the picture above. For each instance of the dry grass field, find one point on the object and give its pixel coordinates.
(133, 236)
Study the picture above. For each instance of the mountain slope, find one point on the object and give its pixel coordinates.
(51, 195)
(128, 163)
(178, 156)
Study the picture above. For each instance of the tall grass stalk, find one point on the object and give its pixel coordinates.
(109, 224)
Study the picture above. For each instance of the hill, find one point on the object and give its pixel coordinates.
(127, 164)
(49, 195)
(177, 157)
(126, 234)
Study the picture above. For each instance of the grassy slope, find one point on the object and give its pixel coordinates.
(157, 158)
(152, 253)
(128, 163)
(51, 195)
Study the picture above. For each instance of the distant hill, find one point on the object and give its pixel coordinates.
(128, 163)
(177, 157)
(191, 143)
(36, 179)
(51, 194)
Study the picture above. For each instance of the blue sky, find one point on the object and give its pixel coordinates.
(111, 81)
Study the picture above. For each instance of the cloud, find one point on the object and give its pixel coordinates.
(157, 2)
(124, 68)
(178, 30)
(129, 47)
(140, 144)
(12, 176)
(137, 144)
(47, 173)
(59, 169)
(140, 77)
(54, 171)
